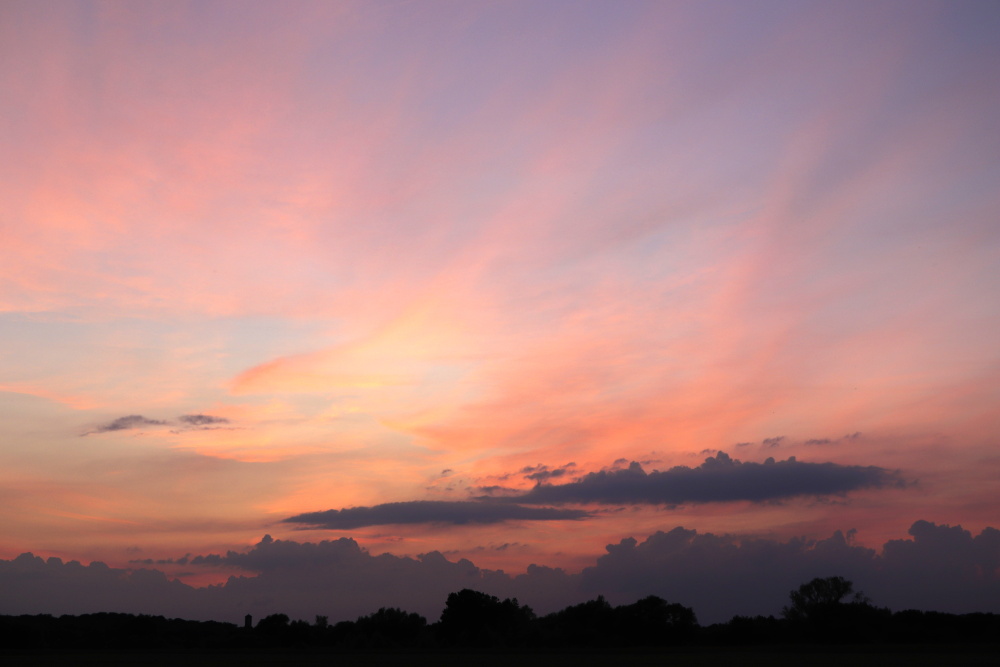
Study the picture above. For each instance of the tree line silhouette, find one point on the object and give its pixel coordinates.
(824, 610)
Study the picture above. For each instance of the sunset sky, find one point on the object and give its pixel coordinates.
(498, 281)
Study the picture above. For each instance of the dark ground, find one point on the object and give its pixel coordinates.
(793, 656)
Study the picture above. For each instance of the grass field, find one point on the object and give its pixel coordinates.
(839, 656)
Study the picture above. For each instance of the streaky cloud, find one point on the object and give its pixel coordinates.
(718, 479)
(541, 472)
(202, 420)
(432, 511)
(126, 423)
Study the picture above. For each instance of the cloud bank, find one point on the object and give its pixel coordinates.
(718, 479)
(942, 568)
(431, 511)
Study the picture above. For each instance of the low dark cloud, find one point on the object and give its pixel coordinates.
(126, 423)
(432, 511)
(940, 567)
(202, 420)
(718, 479)
(834, 441)
(183, 560)
(495, 490)
(943, 568)
(541, 472)
(773, 442)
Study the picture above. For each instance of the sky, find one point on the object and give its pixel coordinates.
(559, 299)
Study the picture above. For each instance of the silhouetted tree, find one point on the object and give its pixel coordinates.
(652, 620)
(273, 630)
(852, 621)
(819, 611)
(818, 595)
(390, 627)
(273, 623)
(588, 624)
(649, 621)
(472, 618)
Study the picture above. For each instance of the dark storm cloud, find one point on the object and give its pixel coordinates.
(202, 420)
(941, 568)
(431, 511)
(126, 423)
(718, 479)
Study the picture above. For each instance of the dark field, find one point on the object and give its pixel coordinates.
(750, 657)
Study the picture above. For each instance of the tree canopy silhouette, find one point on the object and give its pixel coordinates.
(474, 618)
(819, 596)
(819, 612)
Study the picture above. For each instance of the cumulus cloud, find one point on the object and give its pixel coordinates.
(126, 423)
(718, 479)
(942, 568)
(202, 420)
(431, 511)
